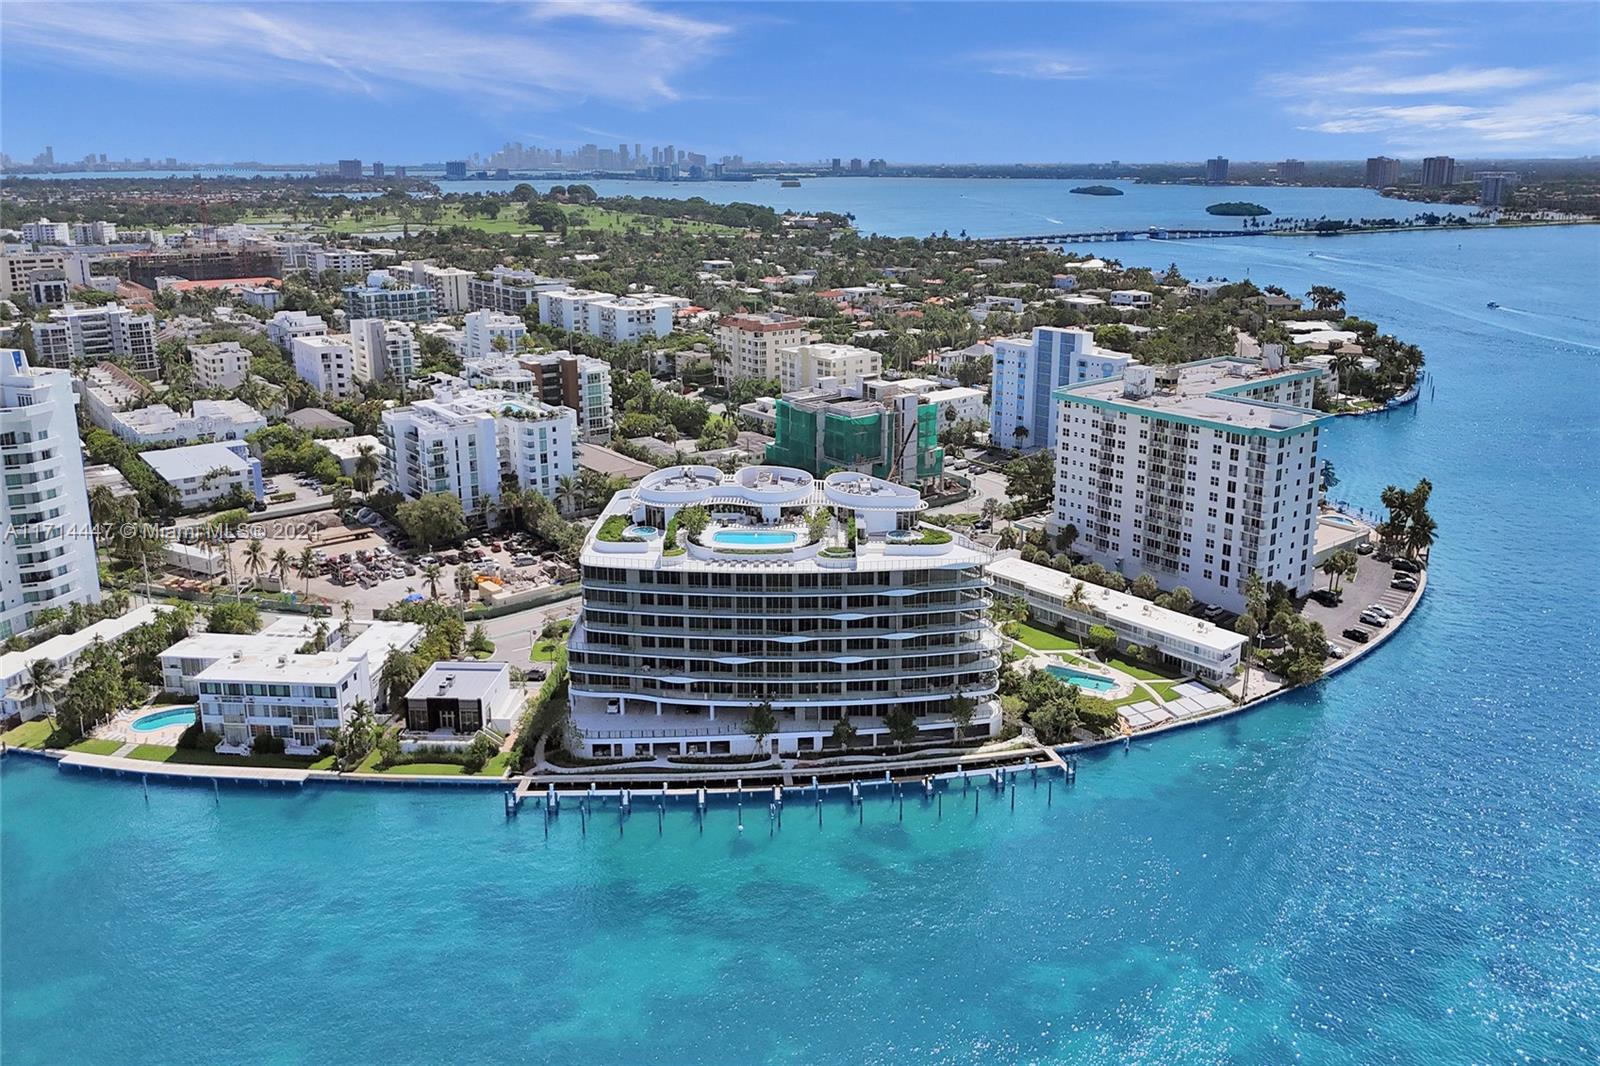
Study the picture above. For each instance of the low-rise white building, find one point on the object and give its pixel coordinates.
(805, 366)
(205, 474)
(62, 650)
(1130, 298)
(260, 684)
(348, 451)
(1192, 644)
(337, 261)
(462, 698)
(224, 365)
(618, 319)
(110, 396)
(285, 327)
(327, 363)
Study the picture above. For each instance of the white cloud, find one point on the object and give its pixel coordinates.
(1040, 65)
(540, 54)
(1373, 81)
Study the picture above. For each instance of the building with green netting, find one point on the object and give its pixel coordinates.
(823, 430)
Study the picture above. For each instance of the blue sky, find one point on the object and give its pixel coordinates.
(910, 82)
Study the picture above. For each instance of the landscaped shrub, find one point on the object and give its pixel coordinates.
(267, 745)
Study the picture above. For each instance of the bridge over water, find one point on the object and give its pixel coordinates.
(1153, 233)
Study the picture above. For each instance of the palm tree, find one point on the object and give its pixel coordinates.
(1079, 598)
(400, 671)
(307, 566)
(366, 467)
(40, 682)
(347, 612)
(255, 558)
(466, 580)
(430, 576)
(281, 563)
(567, 494)
(1419, 534)
(1325, 297)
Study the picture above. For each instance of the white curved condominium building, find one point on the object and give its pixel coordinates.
(46, 548)
(677, 643)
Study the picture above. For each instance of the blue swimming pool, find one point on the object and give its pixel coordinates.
(754, 538)
(1087, 682)
(161, 719)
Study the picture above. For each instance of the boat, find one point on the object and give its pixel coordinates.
(1407, 397)
(789, 183)
(1493, 304)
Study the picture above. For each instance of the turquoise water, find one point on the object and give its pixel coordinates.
(1398, 865)
(162, 719)
(1091, 682)
(747, 538)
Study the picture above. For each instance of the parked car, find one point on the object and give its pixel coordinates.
(1373, 619)
(1336, 651)
(1212, 612)
(1364, 548)
(1404, 584)
(1326, 597)
(1360, 636)
(1407, 566)
(1378, 608)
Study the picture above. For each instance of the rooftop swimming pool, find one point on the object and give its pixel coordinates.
(1085, 681)
(754, 538)
(161, 719)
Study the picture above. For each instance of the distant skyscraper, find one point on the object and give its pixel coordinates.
(1216, 170)
(349, 168)
(456, 170)
(1438, 171)
(1291, 170)
(1495, 187)
(377, 170)
(1382, 172)
(399, 172)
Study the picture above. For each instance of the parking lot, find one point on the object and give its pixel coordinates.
(1370, 586)
(372, 568)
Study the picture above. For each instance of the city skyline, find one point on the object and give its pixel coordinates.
(293, 83)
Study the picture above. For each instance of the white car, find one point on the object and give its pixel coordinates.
(1378, 608)
(1377, 621)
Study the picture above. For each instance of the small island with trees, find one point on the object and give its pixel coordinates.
(1097, 190)
(1237, 207)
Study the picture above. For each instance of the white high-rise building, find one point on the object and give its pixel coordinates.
(1028, 370)
(89, 334)
(805, 365)
(1197, 475)
(384, 351)
(466, 441)
(338, 261)
(480, 330)
(678, 642)
(327, 364)
(47, 556)
(449, 284)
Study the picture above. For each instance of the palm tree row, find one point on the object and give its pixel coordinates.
(1409, 527)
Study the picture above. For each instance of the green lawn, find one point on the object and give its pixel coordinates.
(29, 734)
(1044, 640)
(1142, 672)
(544, 651)
(195, 757)
(96, 747)
(1165, 689)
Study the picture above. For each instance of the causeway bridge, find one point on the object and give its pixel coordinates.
(1154, 233)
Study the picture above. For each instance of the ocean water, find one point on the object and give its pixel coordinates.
(1401, 864)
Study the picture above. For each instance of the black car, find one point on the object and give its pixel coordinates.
(1360, 636)
(1326, 597)
(1407, 566)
